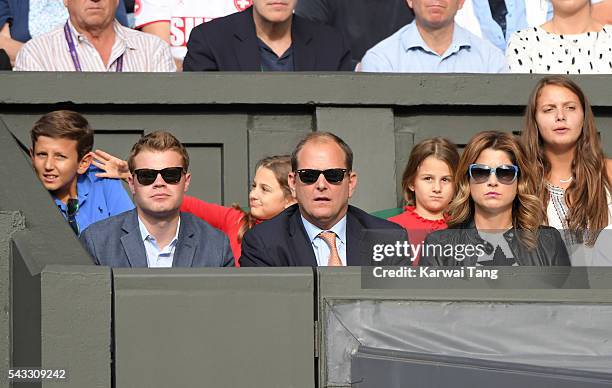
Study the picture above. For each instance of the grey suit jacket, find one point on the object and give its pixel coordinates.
(116, 242)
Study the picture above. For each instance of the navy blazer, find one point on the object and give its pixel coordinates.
(283, 241)
(230, 44)
(116, 242)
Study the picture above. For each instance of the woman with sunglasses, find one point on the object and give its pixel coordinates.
(561, 140)
(496, 216)
(269, 195)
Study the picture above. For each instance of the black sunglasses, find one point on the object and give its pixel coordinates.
(171, 175)
(332, 175)
(505, 173)
(72, 208)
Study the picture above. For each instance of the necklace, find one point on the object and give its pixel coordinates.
(568, 180)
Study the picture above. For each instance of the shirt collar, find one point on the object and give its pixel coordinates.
(313, 231)
(84, 184)
(411, 38)
(144, 233)
(119, 34)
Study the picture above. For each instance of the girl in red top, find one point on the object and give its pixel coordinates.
(269, 195)
(428, 189)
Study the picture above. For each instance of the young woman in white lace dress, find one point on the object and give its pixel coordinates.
(560, 136)
(572, 42)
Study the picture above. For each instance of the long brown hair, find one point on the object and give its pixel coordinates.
(587, 195)
(438, 147)
(280, 165)
(527, 212)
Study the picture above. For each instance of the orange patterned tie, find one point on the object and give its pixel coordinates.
(330, 240)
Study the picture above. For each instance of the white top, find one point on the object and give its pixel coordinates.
(184, 15)
(557, 212)
(141, 52)
(534, 50)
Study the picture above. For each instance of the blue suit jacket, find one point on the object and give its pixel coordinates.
(283, 241)
(230, 44)
(116, 242)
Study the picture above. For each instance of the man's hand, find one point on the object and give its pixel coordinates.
(113, 166)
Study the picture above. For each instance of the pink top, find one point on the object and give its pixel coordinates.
(417, 227)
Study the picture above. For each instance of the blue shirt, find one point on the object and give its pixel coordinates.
(320, 247)
(516, 19)
(158, 258)
(99, 198)
(406, 52)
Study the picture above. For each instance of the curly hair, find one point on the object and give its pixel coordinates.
(587, 195)
(527, 211)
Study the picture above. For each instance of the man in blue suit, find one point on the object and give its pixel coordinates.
(322, 229)
(266, 37)
(156, 233)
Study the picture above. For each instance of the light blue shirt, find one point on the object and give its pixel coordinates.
(320, 247)
(158, 258)
(516, 19)
(406, 52)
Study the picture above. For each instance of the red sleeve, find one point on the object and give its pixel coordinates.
(226, 219)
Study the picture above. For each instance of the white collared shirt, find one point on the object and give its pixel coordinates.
(320, 247)
(141, 52)
(158, 258)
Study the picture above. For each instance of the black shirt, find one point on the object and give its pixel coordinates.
(271, 62)
(363, 23)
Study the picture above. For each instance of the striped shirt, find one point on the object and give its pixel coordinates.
(141, 52)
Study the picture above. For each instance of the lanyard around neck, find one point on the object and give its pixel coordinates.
(75, 56)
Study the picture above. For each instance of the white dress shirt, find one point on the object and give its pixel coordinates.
(158, 258)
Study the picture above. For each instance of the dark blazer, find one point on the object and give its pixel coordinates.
(230, 44)
(282, 240)
(550, 249)
(116, 242)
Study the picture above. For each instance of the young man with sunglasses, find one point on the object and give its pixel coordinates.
(322, 229)
(61, 145)
(156, 233)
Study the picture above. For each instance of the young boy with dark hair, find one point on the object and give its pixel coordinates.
(61, 145)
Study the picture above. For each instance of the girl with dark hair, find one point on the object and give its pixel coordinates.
(496, 215)
(561, 139)
(428, 188)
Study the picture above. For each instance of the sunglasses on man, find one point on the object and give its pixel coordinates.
(333, 175)
(170, 175)
(505, 173)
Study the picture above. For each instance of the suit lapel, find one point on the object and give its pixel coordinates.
(245, 44)
(132, 242)
(303, 51)
(354, 236)
(302, 248)
(185, 246)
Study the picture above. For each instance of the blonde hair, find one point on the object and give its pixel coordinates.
(280, 165)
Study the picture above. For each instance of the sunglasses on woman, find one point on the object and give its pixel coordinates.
(170, 175)
(505, 173)
(333, 175)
